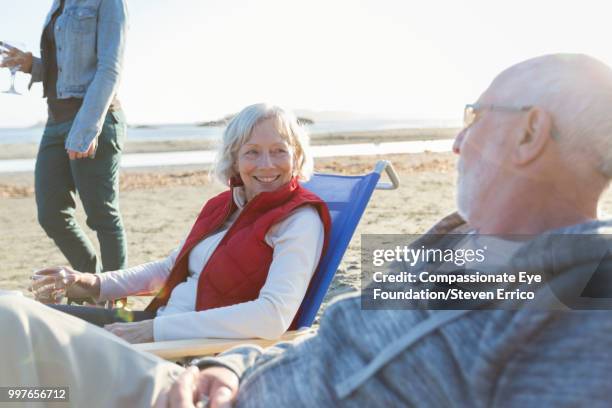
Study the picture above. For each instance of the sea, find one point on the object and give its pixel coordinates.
(193, 132)
(212, 133)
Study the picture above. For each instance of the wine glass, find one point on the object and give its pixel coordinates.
(52, 292)
(5, 48)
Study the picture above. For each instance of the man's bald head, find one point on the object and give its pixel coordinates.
(576, 90)
(538, 153)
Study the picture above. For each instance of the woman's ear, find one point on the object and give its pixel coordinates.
(534, 136)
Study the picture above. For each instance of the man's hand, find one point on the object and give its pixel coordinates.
(90, 152)
(217, 385)
(137, 332)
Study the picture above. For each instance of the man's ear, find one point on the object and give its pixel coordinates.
(534, 136)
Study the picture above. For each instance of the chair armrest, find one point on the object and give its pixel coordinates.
(387, 167)
(177, 349)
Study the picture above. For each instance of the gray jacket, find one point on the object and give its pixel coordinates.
(90, 40)
(363, 358)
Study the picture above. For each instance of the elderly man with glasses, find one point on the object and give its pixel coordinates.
(535, 156)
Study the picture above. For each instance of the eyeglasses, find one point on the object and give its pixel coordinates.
(471, 111)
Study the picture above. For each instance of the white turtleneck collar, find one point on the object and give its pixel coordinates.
(239, 196)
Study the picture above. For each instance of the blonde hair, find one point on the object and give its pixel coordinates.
(238, 132)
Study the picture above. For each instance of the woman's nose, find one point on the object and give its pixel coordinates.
(265, 160)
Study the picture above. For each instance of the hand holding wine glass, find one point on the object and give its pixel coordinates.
(50, 285)
(13, 58)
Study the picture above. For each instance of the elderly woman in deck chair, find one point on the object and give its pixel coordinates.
(244, 268)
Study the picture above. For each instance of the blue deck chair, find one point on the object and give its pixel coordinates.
(347, 198)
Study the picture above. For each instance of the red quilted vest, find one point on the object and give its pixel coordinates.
(238, 268)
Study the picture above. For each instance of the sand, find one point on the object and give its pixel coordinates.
(159, 206)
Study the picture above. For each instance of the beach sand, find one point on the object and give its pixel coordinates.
(159, 206)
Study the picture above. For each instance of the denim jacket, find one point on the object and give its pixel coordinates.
(90, 40)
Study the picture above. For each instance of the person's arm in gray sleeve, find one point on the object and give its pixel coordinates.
(243, 358)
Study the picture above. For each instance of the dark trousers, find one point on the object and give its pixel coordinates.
(58, 180)
(100, 316)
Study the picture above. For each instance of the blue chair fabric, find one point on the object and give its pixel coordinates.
(347, 198)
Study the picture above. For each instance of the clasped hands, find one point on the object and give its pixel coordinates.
(214, 387)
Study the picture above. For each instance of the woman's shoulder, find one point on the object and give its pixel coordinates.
(306, 212)
(223, 197)
(216, 202)
(304, 219)
(113, 9)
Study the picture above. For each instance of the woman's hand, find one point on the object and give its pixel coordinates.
(48, 283)
(137, 332)
(14, 56)
(217, 385)
(90, 152)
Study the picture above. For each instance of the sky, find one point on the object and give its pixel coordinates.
(194, 60)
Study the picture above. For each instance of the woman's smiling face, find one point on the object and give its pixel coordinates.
(265, 161)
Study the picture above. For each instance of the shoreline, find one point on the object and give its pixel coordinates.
(28, 150)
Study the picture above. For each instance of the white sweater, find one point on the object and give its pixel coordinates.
(297, 242)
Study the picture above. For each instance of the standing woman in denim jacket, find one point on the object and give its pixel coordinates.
(81, 60)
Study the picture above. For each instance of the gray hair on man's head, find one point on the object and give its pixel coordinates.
(238, 132)
(576, 90)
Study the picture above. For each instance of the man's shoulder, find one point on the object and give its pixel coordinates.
(452, 223)
(601, 226)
